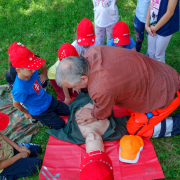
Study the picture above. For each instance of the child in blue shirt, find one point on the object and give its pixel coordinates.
(121, 37)
(11, 72)
(27, 89)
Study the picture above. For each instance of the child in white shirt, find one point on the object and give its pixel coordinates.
(105, 17)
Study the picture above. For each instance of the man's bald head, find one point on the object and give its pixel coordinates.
(71, 69)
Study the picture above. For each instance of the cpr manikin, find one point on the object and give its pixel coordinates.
(96, 164)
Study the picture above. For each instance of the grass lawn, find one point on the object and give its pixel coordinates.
(44, 25)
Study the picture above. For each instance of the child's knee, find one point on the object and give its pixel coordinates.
(35, 149)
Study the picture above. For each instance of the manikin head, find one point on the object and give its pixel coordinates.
(94, 142)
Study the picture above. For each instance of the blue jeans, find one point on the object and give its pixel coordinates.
(139, 28)
(25, 166)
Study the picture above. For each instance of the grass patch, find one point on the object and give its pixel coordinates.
(44, 25)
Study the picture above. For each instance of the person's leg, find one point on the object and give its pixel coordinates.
(60, 108)
(58, 90)
(139, 28)
(100, 34)
(51, 116)
(152, 46)
(161, 45)
(22, 168)
(34, 148)
(109, 30)
(170, 126)
(8, 78)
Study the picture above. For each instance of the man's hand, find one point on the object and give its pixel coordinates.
(67, 100)
(24, 149)
(28, 116)
(42, 78)
(88, 121)
(85, 117)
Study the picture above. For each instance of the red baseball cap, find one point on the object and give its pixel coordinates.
(4, 121)
(85, 33)
(121, 34)
(23, 57)
(96, 165)
(14, 46)
(67, 50)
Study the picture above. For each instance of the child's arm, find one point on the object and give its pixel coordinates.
(134, 48)
(165, 18)
(43, 76)
(12, 160)
(24, 153)
(148, 29)
(76, 90)
(67, 95)
(14, 145)
(18, 106)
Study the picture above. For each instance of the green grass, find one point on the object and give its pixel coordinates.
(44, 25)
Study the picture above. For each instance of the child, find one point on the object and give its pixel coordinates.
(85, 37)
(139, 22)
(162, 21)
(121, 37)
(16, 159)
(105, 17)
(11, 72)
(27, 89)
(63, 93)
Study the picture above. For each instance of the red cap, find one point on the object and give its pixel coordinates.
(96, 165)
(14, 46)
(23, 57)
(85, 33)
(67, 50)
(121, 34)
(4, 121)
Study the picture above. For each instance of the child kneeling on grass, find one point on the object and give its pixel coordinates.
(16, 160)
(27, 89)
(64, 93)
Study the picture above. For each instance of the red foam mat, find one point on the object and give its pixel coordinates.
(62, 161)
